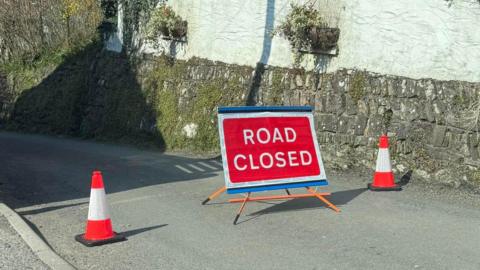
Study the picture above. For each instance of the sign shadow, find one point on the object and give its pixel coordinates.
(338, 198)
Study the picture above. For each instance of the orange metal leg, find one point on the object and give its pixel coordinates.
(241, 208)
(277, 197)
(215, 194)
(319, 196)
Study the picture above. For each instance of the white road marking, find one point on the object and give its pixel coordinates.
(183, 169)
(207, 165)
(196, 167)
(219, 163)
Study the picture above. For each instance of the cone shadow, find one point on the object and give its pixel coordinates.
(48, 209)
(142, 230)
(405, 179)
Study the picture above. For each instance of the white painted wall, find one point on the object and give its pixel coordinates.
(413, 38)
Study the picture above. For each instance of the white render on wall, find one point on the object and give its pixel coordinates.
(412, 38)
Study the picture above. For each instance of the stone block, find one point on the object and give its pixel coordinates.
(375, 126)
(292, 84)
(326, 122)
(412, 90)
(394, 87)
(333, 103)
(350, 106)
(299, 80)
(375, 86)
(438, 135)
(343, 124)
(430, 115)
(359, 125)
(308, 81)
(360, 141)
(363, 107)
(402, 132)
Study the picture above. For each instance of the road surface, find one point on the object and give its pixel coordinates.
(155, 199)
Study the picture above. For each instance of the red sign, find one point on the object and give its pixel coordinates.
(269, 148)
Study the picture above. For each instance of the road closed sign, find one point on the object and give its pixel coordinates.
(268, 147)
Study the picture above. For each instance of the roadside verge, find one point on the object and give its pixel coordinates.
(38, 246)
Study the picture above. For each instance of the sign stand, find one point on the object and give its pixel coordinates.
(313, 193)
(269, 148)
(215, 194)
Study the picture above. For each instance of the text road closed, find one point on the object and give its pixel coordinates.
(269, 148)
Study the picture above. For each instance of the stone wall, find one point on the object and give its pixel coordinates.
(432, 124)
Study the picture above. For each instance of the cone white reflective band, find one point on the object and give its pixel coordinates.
(383, 161)
(97, 209)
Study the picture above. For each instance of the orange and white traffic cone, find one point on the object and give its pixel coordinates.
(99, 226)
(383, 180)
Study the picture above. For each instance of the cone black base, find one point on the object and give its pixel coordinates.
(393, 188)
(91, 243)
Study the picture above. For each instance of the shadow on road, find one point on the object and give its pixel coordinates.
(48, 209)
(43, 170)
(405, 179)
(337, 198)
(142, 230)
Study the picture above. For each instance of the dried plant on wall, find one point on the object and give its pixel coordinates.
(308, 31)
(166, 24)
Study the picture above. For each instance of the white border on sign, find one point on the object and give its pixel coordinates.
(290, 180)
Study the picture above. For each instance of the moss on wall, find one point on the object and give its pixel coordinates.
(357, 88)
(204, 115)
(167, 118)
(275, 96)
(178, 102)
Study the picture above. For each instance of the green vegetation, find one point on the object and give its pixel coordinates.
(30, 29)
(278, 87)
(475, 176)
(135, 12)
(177, 104)
(357, 89)
(24, 75)
(204, 114)
(36, 38)
(164, 22)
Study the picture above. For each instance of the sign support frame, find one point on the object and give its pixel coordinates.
(248, 198)
(311, 192)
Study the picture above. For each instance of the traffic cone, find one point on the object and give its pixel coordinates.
(99, 226)
(383, 180)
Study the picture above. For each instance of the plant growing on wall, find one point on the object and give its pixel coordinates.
(307, 31)
(165, 23)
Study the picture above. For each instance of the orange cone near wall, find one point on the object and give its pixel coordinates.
(383, 180)
(99, 226)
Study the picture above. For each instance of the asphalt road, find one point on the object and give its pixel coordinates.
(155, 199)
